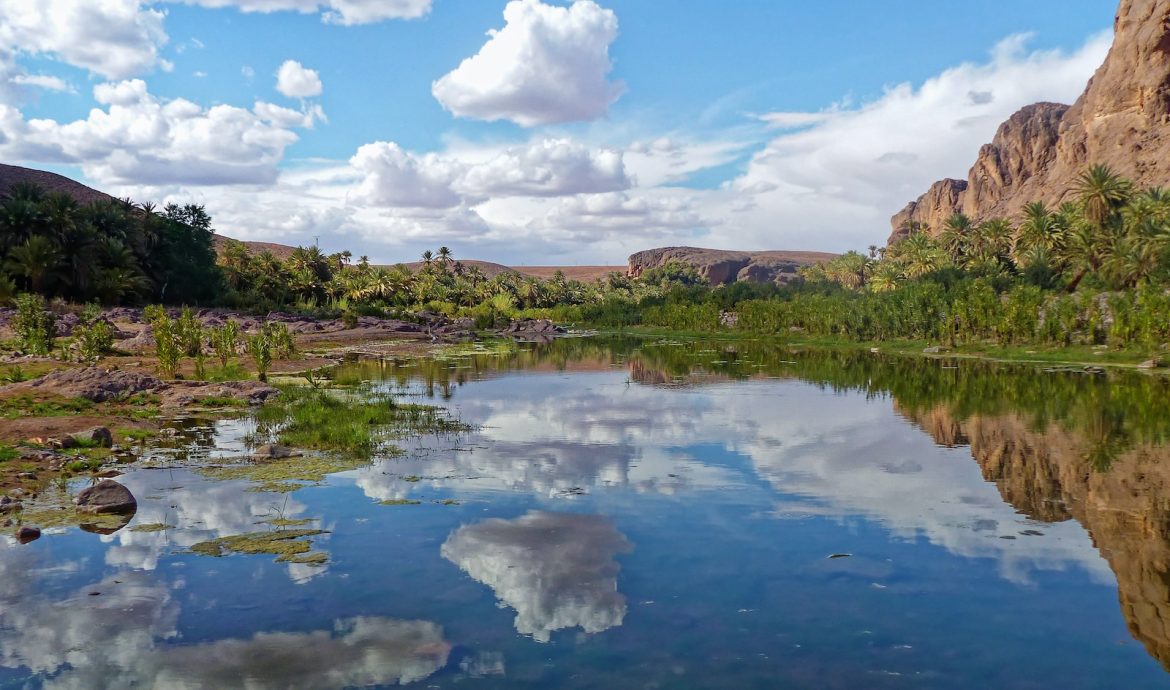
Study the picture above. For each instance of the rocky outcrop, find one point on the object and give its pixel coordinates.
(721, 267)
(104, 385)
(1121, 120)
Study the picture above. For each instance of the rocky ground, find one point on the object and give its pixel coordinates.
(71, 419)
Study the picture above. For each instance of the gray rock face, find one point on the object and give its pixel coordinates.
(1121, 120)
(107, 496)
(272, 451)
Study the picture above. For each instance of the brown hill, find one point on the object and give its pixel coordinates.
(1120, 120)
(12, 175)
(720, 266)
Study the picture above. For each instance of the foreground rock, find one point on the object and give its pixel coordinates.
(107, 496)
(272, 451)
(26, 534)
(99, 436)
(1120, 120)
(541, 327)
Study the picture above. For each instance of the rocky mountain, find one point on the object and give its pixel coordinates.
(720, 267)
(1121, 120)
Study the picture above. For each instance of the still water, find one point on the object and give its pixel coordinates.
(649, 514)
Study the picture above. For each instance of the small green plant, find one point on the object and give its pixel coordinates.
(349, 319)
(201, 367)
(94, 340)
(190, 333)
(281, 339)
(260, 348)
(34, 325)
(167, 342)
(224, 341)
(14, 374)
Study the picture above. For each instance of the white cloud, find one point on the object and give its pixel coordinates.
(344, 12)
(548, 64)
(297, 81)
(834, 182)
(41, 81)
(391, 176)
(557, 570)
(142, 139)
(113, 38)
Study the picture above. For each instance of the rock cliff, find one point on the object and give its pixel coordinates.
(720, 267)
(1121, 120)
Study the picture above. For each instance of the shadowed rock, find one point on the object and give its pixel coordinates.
(107, 496)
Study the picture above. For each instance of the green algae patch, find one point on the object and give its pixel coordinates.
(289, 546)
(151, 527)
(399, 502)
(64, 516)
(288, 474)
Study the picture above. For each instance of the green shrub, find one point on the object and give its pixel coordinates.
(167, 341)
(260, 348)
(34, 325)
(224, 341)
(94, 340)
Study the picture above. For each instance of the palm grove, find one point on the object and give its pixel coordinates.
(1093, 270)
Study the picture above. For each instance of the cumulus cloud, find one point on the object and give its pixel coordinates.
(112, 38)
(836, 177)
(548, 64)
(140, 138)
(557, 570)
(297, 81)
(390, 176)
(344, 12)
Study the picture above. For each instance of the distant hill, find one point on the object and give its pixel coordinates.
(721, 266)
(11, 175)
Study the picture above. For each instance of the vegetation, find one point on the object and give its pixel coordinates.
(34, 325)
(111, 252)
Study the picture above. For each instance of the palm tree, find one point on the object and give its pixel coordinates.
(37, 260)
(1039, 229)
(444, 256)
(1102, 191)
(954, 237)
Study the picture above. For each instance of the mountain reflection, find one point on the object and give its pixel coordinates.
(556, 570)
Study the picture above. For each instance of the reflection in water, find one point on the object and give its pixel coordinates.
(124, 636)
(557, 570)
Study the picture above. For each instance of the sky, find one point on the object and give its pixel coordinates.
(531, 132)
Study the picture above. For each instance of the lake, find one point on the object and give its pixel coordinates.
(647, 513)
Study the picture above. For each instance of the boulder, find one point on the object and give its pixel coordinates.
(272, 451)
(107, 496)
(99, 436)
(26, 534)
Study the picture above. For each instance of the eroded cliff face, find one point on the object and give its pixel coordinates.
(1047, 476)
(1121, 120)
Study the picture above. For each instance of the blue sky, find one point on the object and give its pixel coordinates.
(659, 127)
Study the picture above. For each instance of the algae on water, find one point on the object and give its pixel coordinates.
(289, 546)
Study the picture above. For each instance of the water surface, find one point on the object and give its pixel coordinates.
(641, 514)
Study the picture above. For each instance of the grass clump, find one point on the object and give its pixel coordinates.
(56, 406)
(354, 422)
(399, 502)
(9, 453)
(287, 475)
(289, 546)
(289, 522)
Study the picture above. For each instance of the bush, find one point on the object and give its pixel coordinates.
(94, 340)
(260, 347)
(224, 341)
(167, 341)
(280, 339)
(190, 333)
(34, 325)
